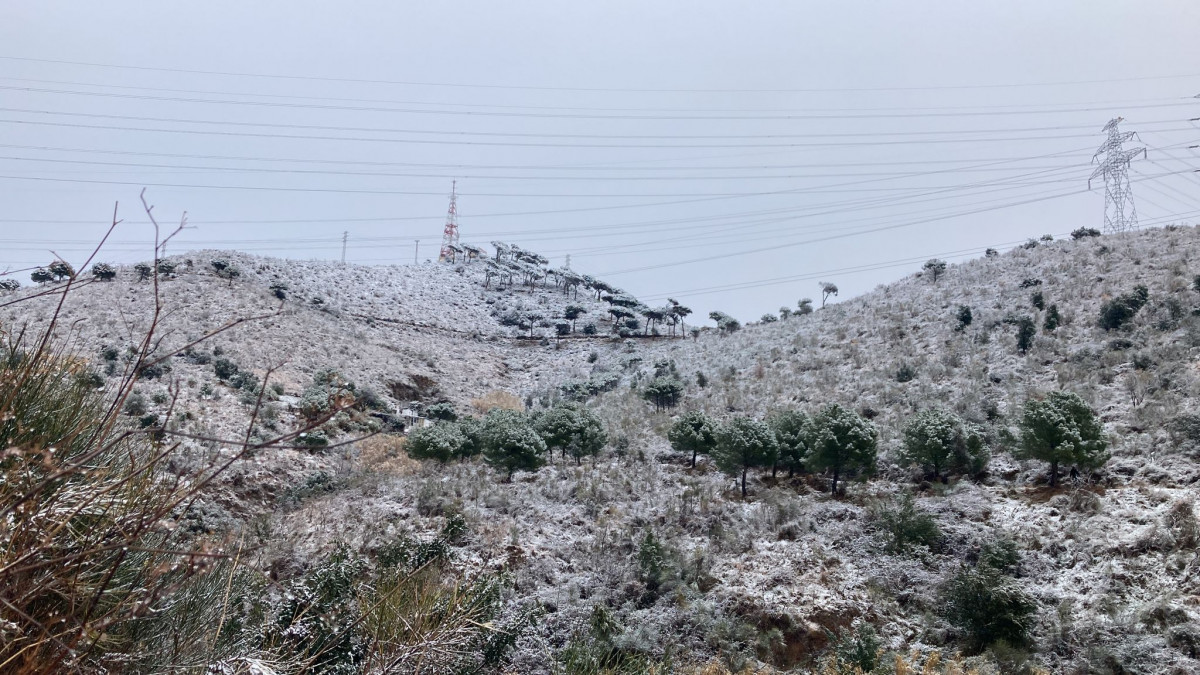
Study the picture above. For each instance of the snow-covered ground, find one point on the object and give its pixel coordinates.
(1103, 560)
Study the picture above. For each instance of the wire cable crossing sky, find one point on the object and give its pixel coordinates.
(727, 157)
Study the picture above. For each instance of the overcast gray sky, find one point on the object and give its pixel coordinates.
(730, 155)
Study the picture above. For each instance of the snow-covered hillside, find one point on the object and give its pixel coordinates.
(1109, 559)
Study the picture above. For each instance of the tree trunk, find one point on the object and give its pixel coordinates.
(774, 468)
(833, 490)
(694, 458)
(743, 481)
(1054, 473)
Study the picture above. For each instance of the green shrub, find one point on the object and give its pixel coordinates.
(1053, 319)
(1120, 310)
(905, 526)
(855, 651)
(964, 317)
(136, 404)
(988, 607)
(224, 368)
(1000, 554)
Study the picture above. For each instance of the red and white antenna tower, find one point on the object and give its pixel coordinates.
(450, 234)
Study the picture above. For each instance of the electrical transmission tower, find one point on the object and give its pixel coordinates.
(1120, 214)
(450, 234)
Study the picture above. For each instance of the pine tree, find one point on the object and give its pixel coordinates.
(437, 441)
(938, 440)
(842, 443)
(793, 431)
(103, 271)
(509, 442)
(1062, 429)
(573, 429)
(693, 432)
(744, 443)
(935, 268)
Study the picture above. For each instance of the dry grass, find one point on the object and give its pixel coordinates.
(497, 399)
(384, 453)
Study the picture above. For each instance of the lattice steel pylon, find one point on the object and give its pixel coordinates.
(450, 234)
(1120, 214)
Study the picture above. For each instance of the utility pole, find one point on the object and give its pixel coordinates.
(1115, 169)
(567, 265)
(416, 247)
(345, 235)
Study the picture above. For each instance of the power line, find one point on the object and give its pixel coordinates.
(315, 78)
(526, 144)
(625, 116)
(209, 92)
(525, 167)
(491, 134)
(832, 237)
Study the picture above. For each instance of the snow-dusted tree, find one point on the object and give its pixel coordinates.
(61, 269)
(793, 431)
(442, 411)
(9, 285)
(938, 440)
(571, 282)
(573, 312)
(530, 320)
(725, 323)
(935, 268)
(166, 267)
(785, 313)
(653, 315)
(677, 314)
(1053, 319)
(827, 289)
(1062, 429)
(663, 392)
(226, 270)
(573, 429)
(964, 317)
(842, 443)
(143, 271)
(599, 286)
(743, 443)
(510, 443)
(437, 441)
(693, 432)
(1026, 331)
(804, 306)
(41, 275)
(103, 271)
(768, 318)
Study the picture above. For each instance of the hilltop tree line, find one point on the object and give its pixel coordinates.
(513, 267)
